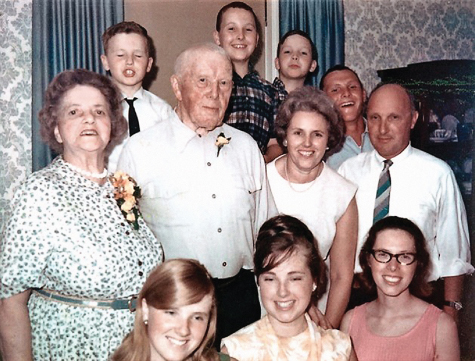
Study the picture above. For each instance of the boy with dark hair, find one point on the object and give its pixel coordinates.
(296, 59)
(254, 101)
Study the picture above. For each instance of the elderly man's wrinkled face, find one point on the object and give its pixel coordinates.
(203, 91)
(390, 120)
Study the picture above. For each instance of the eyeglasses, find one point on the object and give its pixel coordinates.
(385, 257)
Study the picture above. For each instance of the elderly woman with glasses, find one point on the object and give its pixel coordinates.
(398, 325)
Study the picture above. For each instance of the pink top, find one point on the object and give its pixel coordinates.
(418, 344)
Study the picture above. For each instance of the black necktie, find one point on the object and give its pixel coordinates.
(134, 126)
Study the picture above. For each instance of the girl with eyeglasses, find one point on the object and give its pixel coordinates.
(399, 325)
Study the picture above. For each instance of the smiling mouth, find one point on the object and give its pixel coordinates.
(347, 104)
(239, 46)
(176, 342)
(307, 153)
(285, 305)
(392, 279)
(88, 132)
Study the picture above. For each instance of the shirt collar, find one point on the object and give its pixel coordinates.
(250, 74)
(399, 158)
(182, 134)
(138, 94)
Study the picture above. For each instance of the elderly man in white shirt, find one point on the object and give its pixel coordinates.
(422, 188)
(205, 192)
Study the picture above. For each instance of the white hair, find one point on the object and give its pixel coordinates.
(186, 57)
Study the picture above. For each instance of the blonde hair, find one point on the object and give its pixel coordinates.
(174, 283)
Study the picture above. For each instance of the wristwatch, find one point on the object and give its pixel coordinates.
(454, 304)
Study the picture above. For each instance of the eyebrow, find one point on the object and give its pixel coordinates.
(401, 252)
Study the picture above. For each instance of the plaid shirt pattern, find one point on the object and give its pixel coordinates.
(253, 107)
(279, 85)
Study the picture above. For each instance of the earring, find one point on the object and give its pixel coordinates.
(284, 142)
(328, 148)
(145, 322)
(314, 287)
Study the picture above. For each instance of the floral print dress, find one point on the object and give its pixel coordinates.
(67, 234)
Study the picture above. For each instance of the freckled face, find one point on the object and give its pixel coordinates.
(238, 34)
(176, 333)
(295, 58)
(286, 291)
(128, 61)
(393, 278)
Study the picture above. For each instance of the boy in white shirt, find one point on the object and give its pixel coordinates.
(127, 56)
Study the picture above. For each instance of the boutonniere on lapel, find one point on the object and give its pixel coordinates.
(221, 141)
(126, 194)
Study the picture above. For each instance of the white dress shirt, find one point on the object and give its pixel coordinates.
(198, 204)
(150, 110)
(424, 190)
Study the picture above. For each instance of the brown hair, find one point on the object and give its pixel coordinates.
(419, 286)
(174, 283)
(67, 80)
(339, 67)
(236, 5)
(126, 27)
(303, 34)
(310, 99)
(278, 239)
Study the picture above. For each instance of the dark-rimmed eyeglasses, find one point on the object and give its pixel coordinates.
(385, 257)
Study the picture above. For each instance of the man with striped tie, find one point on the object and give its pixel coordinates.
(397, 179)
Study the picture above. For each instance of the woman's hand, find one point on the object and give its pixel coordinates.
(319, 318)
(15, 328)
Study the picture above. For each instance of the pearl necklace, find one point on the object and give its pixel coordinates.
(85, 173)
(290, 183)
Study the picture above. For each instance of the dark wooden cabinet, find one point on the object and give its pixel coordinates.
(442, 88)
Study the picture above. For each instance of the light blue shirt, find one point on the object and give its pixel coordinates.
(350, 149)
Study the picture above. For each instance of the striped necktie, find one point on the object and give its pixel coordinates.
(381, 204)
(134, 126)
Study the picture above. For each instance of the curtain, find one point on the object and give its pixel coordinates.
(323, 20)
(66, 35)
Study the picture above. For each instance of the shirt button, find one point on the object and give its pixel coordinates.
(208, 164)
(140, 273)
(224, 264)
(213, 196)
(219, 230)
(127, 233)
